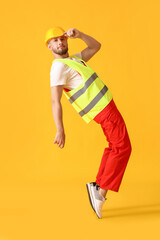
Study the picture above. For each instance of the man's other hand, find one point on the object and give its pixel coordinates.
(60, 139)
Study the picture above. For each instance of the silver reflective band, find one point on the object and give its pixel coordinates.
(94, 101)
(82, 90)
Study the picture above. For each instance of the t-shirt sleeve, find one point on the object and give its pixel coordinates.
(78, 55)
(58, 74)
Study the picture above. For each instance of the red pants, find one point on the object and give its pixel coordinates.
(116, 156)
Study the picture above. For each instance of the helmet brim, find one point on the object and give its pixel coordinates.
(55, 37)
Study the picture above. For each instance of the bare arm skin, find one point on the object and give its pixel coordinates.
(56, 94)
(93, 44)
(93, 47)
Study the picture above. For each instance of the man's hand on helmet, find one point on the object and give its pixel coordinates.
(72, 33)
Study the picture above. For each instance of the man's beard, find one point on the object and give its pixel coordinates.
(61, 51)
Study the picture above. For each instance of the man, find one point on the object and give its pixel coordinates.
(92, 99)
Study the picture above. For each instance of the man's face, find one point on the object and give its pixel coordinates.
(58, 45)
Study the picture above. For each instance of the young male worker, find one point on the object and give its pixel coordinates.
(92, 99)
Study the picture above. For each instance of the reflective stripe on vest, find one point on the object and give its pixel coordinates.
(82, 90)
(92, 95)
(94, 101)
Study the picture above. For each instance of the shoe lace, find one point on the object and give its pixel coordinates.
(97, 187)
(93, 183)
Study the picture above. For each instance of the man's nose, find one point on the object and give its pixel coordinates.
(59, 41)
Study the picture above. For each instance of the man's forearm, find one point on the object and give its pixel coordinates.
(57, 115)
(90, 41)
(93, 44)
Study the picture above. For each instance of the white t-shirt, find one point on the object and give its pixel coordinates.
(61, 74)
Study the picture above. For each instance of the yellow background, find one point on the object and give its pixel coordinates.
(43, 188)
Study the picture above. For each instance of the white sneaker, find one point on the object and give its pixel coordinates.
(98, 200)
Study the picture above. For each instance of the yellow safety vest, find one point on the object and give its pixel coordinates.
(92, 95)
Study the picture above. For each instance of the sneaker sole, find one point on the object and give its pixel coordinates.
(95, 206)
(90, 195)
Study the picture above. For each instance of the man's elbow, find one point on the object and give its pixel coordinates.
(98, 46)
(55, 101)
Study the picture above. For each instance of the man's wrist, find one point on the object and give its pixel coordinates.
(60, 130)
(81, 35)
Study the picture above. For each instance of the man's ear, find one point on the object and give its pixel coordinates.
(49, 46)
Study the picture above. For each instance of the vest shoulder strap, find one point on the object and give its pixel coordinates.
(81, 68)
(80, 59)
(76, 57)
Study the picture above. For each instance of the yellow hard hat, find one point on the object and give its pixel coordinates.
(53, 32)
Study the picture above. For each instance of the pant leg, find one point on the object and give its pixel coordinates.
(116, 156)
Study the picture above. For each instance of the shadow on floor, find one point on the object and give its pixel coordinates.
(131, 211)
